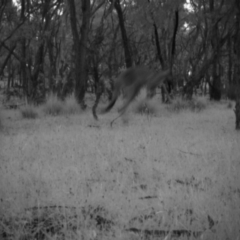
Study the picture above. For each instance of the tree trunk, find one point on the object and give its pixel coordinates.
(160, 58)
(80, 48)
(52, 64)
(230, 62)
(216, 85)
(24, 76)
(237, 113)
(159, 52)
(81, 59)
(173, 45)
(128, 58)
(23, 67)
(111, 66)
(6, 60)
(169, 80)
(38, 68)
(236, 79)
(99, 87)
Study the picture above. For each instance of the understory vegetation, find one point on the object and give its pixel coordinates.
(162, 164)
(54, 106)
(171, 172)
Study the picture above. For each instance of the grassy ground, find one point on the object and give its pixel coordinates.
(151, 176)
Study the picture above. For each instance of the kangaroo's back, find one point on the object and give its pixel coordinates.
(133, 75)
(157, 79)
(131, 80)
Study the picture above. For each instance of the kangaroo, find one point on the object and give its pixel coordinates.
(132, 81)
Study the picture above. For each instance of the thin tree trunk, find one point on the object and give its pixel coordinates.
(24, 75)
(52, 63)
(173, 46)
(230, 63)
(98, 88)
(128, 58)
(237, 113)
(38, 67)
(215, 87)
(6, 60)
(169, 81)
(159, 53)
(110, 59)
(237, 47)
(82, 82)
(80, 48)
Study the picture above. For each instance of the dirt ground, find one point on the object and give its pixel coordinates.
(171, 171)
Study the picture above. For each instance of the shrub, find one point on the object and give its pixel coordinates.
(71, 106)
(195, 104)
(178, 104)
(29, 111)
(229, 105)
(53, 105)
(233, 92)
(144, 107)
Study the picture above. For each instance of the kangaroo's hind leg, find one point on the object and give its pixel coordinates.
(131, 93)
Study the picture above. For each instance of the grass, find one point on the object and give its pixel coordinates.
(53, 106)
(196, 104)
(71, 106)
(72, 181)
(145, 107)
(29, 111)
(58, 222)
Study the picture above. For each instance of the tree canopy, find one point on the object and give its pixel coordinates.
(70, 46)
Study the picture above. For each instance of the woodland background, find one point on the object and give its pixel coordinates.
(170, 172)
(69, 46)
